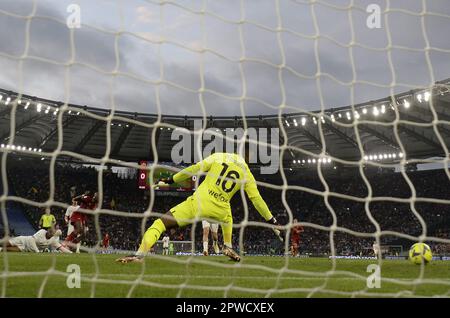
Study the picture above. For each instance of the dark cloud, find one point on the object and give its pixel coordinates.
(120, 69)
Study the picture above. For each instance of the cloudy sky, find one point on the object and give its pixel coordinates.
(125, 47)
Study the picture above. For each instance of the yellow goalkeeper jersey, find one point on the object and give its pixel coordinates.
(225, 173)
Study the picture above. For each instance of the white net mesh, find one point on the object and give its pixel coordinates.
(238, 58)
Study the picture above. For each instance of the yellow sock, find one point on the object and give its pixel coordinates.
(151, 236)
(227, 231)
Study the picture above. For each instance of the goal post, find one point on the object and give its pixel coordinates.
(176, 248)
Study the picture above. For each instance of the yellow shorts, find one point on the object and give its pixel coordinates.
(189, 211)
(184, 213)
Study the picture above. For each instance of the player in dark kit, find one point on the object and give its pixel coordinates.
(106, 241)
(78, 219)
(295, 238)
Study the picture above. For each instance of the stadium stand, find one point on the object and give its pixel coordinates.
(122, 194)
(17, 220)
(85, 131)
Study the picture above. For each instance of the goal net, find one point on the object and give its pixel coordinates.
(345, 105)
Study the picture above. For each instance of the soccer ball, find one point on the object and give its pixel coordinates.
(420, 253)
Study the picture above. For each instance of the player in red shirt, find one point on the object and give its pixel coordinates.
(78, 219)
(295, 238)
(106, 241)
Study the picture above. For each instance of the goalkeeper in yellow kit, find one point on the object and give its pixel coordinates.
(225, 173)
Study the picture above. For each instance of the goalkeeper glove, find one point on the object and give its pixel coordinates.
(277, 230)
(166, 180)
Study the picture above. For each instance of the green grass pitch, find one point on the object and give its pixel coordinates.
(33, 275)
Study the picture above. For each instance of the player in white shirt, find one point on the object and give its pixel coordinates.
(37, 243)
(376, 250)
(214, 229)
(70, 209)
(165, 241)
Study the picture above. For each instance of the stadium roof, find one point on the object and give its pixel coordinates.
(417, 116)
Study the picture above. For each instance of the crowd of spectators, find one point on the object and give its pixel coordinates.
(348, 205)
